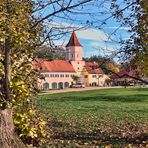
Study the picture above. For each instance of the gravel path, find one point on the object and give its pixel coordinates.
(77, 89)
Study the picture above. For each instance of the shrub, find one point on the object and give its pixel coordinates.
(31, 125)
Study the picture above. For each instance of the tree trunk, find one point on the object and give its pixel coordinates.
(7, 68)
(8, 137)
(7, 57)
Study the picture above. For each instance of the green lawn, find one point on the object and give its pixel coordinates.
(91, 110)
(98, 117)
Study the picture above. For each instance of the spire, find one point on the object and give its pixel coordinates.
(73, 41)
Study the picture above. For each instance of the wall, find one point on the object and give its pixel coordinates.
(102, 80)
(99, 80)
(74, 53)
(78, 66)
(93, 80)
(55, 77)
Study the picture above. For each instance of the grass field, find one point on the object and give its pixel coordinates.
(91, 110)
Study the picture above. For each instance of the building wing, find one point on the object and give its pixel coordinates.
(53, 66)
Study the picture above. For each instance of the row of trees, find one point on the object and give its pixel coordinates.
(51, 53)
(24, 27)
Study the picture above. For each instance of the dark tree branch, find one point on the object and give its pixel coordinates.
(62, 9)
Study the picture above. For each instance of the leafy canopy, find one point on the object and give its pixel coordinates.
(15, 24)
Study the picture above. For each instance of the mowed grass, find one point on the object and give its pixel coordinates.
(95, 108)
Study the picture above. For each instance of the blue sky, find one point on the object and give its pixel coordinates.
(95, 41)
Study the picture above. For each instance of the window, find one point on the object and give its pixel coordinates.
(46, 75)
(72, 75)
(61, 75)
(67, 76)
(52, 75)
(78, 62)
(94, 84)
(78, 68)
(100, 75)
(94, 76)
(56, 75)
(86, 76)
(77, 55)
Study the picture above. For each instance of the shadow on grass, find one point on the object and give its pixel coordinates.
(76, 135)
(102, 138)
(111, 98)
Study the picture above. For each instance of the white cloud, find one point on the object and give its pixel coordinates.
(102, 46)
(119, 28)
(82, 32)
(92, 34)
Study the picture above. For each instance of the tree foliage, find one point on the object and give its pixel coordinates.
(135, 49)
(51, 53)
(24, 27)
(107, 64)
(17, 50)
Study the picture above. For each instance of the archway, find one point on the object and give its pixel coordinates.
(66, 85)
(60, 85)
(54, 85)
(94, 84)
(46, 86)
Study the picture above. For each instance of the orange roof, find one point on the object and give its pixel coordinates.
(124, 72)
(42, 65)
(95, 71)
(93, 68)
(91, 64)
(73, 41)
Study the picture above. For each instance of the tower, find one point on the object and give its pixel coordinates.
(73, 49)
(74, 54)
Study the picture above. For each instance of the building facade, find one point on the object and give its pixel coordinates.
(55, 74)
(88, 72)
(58, 74)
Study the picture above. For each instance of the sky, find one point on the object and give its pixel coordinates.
(95, 41)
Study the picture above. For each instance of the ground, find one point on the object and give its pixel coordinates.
(77, 89)
(117, 116)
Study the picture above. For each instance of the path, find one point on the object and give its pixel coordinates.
(77, 89)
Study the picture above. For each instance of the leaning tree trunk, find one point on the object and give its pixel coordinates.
(8, 137)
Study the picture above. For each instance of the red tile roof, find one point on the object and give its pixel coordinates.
(42, 65)
(95, 71)
(123, 73)
(93, 68)
(91, 64)
(73, 41)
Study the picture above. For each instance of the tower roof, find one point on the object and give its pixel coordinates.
(73, 41)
